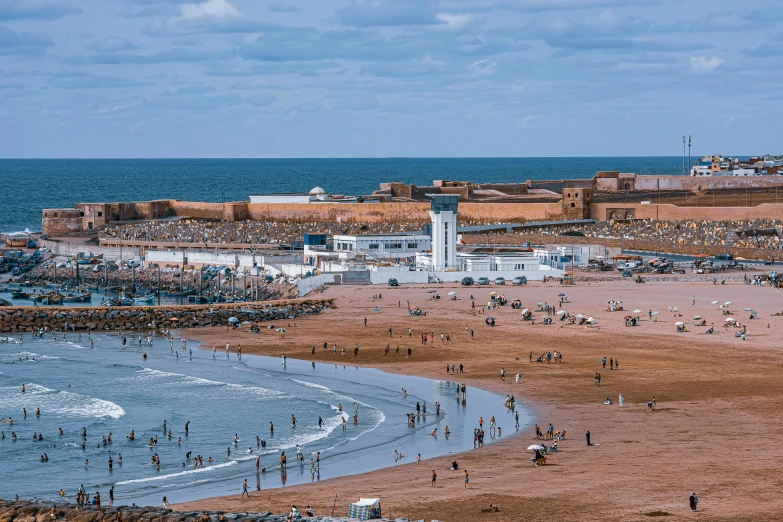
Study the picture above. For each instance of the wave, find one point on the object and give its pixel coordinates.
(179, 474)
(62, 403)
(189, 380)
(16, 356)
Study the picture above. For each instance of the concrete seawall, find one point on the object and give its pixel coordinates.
(25, 319)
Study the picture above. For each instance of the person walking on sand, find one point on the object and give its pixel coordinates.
(467, 480)
(622, 400)
(434, 478)
(244, 490)
(587, 438)
(693, 501)
(693, 300)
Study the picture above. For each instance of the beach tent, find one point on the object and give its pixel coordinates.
(365, 509)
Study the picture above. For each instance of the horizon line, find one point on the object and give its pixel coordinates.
(31, 158)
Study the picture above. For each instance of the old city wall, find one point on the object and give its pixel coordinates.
(25, 319)
(401, 212)
(667, 212)
(198, 210)
(704, 183)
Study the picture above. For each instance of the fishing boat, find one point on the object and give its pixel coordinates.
(197, 299)
(183, 293)
(3, 302)
(19, 294)
(144, 299)
(117, 301)
(77, 298)
(49, 299)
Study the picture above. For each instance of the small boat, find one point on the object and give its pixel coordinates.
(183, 293)
(49, 299)
(77, 298)
(197, 299)
(19, 294)
(3, 302)
(145, 299)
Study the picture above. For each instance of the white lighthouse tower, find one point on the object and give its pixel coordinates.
(443, 213)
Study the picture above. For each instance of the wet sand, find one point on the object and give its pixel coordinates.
(716, 432)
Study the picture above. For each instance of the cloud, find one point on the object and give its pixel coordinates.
(368, 13)
(36, 9)
(705, 64)
(22, 42)
(483, 67)
(111, 44)
(283, 8)
(175, 55)
(86, 81)
(210, 9)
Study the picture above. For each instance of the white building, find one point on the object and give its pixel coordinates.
(396, 247)
(316, 195)
(443, 213)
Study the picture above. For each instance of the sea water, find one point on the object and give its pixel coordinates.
(60, 183)
(108, 389)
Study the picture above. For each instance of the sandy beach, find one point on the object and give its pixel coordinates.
(715, 432)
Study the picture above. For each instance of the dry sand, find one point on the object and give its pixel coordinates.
(717, 430)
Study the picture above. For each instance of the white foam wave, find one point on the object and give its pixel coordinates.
(179, 474)
(189, 380)
(54, 402)
(22, 355)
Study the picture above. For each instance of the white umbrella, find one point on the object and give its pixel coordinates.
(524, 311)
(281, 330)
(679, 323)
(727, 303)
(697, 318)
(580, 316)
(637, 311)
(591, 320)
(656, 313)
(545, 317)
(715, 302)
(535, 447)
(562, 312)
(729, 320)
(452, 293)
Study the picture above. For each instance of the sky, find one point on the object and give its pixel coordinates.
(382, 78)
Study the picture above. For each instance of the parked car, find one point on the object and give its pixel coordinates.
(500, 280)
(467, 281)
(483, 281)
(724, 257)
(519, 280)
(393, 282)
(627, 274)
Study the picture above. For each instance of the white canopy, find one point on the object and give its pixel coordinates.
(367, 502)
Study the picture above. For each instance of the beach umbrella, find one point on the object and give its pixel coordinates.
(452, 293)
(561, 294)
(542, 303)
(679, 323)
(562, 312)
(525, 310)
(715, 302)
(490, 318)
(728, 303)
(535, 447)
(281, 330)
(493, 293)
(545, 317)
(591, 320)
(729, 320)
(580, 316)
(233, 320)
(697, 318)
(656, 313)
(753, 313)
(637, 311)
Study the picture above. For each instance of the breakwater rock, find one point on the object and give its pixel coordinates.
(26, 511)
(52, 318)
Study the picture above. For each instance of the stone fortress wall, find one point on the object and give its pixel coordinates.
(545, 200)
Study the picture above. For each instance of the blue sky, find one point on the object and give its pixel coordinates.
(364, 78)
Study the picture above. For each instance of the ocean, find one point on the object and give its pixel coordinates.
(31, 185)
(110, 390)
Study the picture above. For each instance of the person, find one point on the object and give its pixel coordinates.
(309, 512)
(165, 502)
(693, 501)
(607, 401)
(294, 514)
(467, 479)
(111, 495)
(434, 477)
(622, 400)
(587, 437)
(244, 490)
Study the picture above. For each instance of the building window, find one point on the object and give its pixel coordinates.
(100, 214)
(373, 246)
(519, 266)
(392, 246)
(411, 245)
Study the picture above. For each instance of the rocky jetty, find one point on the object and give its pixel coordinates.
(26, 511)
(25, 319)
